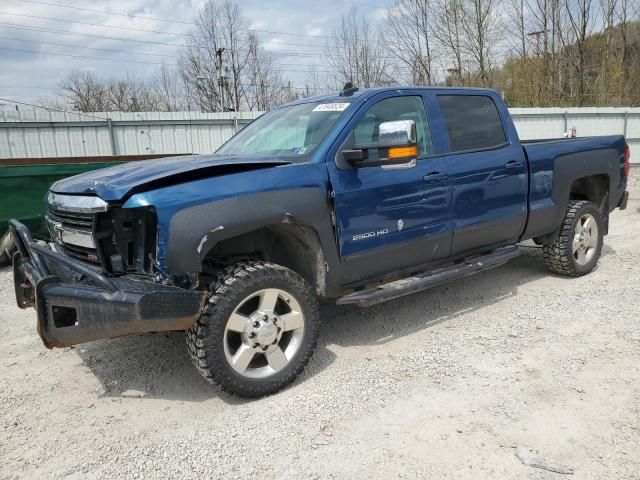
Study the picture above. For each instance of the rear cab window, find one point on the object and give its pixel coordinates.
(473, 122)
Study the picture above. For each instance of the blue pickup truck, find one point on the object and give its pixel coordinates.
(360, 197)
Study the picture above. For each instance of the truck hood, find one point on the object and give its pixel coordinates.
(120, 181)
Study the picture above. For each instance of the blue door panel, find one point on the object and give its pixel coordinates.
(489, 187)
(376, 207)
(489, 197)
(390, 213)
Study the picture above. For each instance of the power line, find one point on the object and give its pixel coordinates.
(108, 12)
(85, 56)
(167, 20)
(93, 24)
(15, 26)
(295, 64)
(55, 31)
(132, 29)
(28, 87)
(65, 32)
(36, 87)
(89, 35)
(131, 61)
(90, 48)
(51, 109)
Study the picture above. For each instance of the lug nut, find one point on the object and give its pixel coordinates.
(265, 318)
(256, 324)
(265, 348)
(252, 335)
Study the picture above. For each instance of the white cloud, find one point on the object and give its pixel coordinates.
(23, 71)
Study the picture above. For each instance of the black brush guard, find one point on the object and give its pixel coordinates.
(76, 303)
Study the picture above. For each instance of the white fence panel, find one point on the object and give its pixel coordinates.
(39, 133)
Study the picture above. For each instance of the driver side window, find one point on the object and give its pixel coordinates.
(395, 108)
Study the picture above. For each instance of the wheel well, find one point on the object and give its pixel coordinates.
(296, 247)
(594, 189)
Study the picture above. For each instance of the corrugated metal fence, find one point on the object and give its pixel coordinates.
(41, 133)
(533, 123)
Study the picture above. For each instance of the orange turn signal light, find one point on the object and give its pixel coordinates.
(403, 152)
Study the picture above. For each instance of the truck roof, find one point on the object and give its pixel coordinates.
(364, 93)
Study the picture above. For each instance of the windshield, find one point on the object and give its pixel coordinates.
(291, 132)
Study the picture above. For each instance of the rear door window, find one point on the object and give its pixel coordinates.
(473, 122)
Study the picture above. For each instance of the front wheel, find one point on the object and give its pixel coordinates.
(576, 249)
(258, 330)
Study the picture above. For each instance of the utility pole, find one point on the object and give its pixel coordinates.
(537, 35)
(221, 82)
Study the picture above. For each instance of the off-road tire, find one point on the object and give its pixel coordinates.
(558, 255)
(205, 340)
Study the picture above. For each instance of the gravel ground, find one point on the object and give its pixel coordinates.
(442, 384)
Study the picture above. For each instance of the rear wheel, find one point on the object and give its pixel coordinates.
(576, 249)
(258, 331)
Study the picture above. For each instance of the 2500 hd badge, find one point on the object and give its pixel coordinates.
(364, 236)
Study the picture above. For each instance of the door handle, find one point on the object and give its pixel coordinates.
(434, 177)
(514, 164)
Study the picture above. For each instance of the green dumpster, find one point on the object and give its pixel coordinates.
(24, 184)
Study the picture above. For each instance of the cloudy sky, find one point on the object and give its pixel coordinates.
(41, 41)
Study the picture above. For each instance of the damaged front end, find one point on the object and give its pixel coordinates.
(98, 278)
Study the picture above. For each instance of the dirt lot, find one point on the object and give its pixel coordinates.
(442, 384)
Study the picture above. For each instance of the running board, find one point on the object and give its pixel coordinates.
(406, 286)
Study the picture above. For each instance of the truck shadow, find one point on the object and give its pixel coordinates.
(158, 366)
(352, 326)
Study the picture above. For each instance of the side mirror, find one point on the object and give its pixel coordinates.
(396, 145)
(398, 133)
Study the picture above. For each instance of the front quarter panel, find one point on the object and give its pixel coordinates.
(194, 216)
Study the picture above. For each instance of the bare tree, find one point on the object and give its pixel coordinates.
(579, 13)
(85, 91)
(55, 102)
(481, 27)
(320, 82)
(131, 94)
(562, 53)
(408, 36)
(169, 90)
(358, 54)
(517, 12)
(264, 87)
(448, 31)
(213, 62)
(626, 11)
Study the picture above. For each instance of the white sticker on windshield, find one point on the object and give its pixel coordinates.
(331, 107)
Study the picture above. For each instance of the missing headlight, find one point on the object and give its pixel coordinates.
(126, 239)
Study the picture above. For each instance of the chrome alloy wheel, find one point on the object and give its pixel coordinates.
(585, 239)
(263, 333)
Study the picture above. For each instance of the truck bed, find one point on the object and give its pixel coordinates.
(556, 164)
